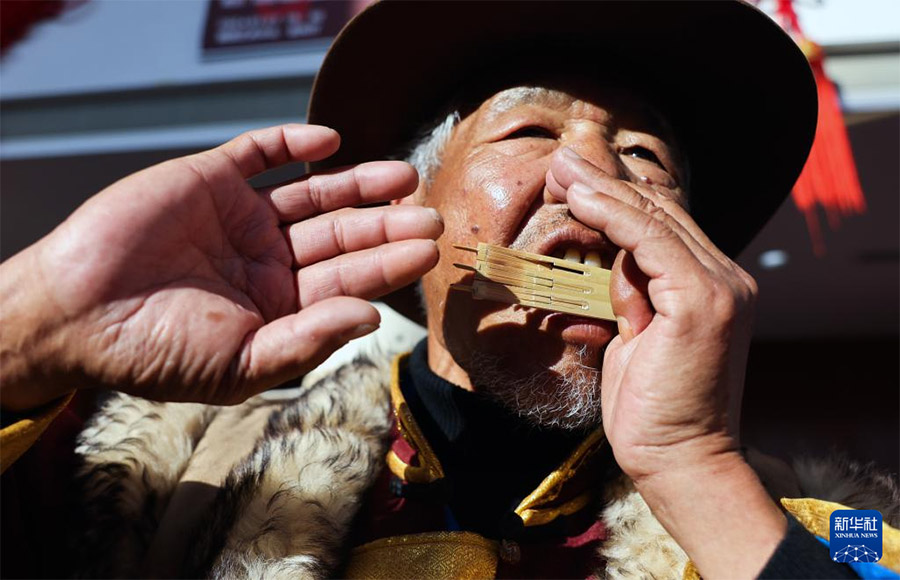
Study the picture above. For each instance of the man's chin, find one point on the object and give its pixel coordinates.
(563, 395)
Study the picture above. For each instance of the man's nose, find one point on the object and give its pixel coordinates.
(593, 148)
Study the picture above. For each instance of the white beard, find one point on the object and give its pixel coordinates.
(567, 398)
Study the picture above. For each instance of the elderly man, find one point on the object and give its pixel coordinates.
(480, 453)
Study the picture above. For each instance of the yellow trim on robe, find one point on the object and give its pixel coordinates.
(690, 571)
(815, 515)
(536, 509)
(17, 438)
(541, 516)
(436, 555)
(430, 468)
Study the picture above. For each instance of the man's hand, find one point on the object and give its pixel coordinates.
(673, 378)
(181, 282)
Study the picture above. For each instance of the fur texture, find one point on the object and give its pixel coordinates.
(637, 546)
(285, 509)
(855, 485)
(282, 511)
(133, 453)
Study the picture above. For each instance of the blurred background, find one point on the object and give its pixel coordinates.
(92, 90)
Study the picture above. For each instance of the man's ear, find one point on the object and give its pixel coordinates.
(415, 198)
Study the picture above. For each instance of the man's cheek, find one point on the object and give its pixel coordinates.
(505, 201)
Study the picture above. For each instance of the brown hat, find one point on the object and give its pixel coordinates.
(737, 90)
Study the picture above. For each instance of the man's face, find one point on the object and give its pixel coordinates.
(491, 187)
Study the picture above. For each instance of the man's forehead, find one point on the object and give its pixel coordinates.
(627, 104)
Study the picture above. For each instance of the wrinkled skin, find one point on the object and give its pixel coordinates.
(599, 166)
(182, 282)
(492, 188)
(508, 169)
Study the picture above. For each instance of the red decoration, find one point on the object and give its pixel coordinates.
(829, 177)
(17, 17)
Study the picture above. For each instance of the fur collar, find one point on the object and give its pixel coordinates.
(284, 508)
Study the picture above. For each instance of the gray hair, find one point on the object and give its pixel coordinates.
(426, 155)
(428, 151)
(562, 398)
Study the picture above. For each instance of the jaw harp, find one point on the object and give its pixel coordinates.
(516, 277)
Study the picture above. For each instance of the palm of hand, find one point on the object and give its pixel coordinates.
(192, 263)
(182, 282)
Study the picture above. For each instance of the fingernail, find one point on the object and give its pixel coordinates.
(571, 154)
(435, 215)
(625, 330)
(358, 331)
(578, 188)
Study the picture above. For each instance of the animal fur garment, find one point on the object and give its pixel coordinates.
(269, 488)
(281, 510)
(849, 483)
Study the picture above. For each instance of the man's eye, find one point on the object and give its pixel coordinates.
(639, 152)
(531, 131)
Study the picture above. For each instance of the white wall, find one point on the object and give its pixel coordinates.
(106, 45)
(830, 22)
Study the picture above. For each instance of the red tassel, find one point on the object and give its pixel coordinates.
(829, 177)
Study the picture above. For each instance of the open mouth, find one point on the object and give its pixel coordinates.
(581, 246)
(580, 256)
(572, 301)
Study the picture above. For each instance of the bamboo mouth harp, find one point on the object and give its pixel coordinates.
(516, 277)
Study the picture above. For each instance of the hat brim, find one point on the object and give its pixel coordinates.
(738, 90)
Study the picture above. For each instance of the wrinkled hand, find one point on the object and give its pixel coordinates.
(182, 282)
(673, 378)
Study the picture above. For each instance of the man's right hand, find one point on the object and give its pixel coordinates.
(673, 378)
(182, 282)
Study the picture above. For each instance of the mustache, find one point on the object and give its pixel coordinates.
(537, 230)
